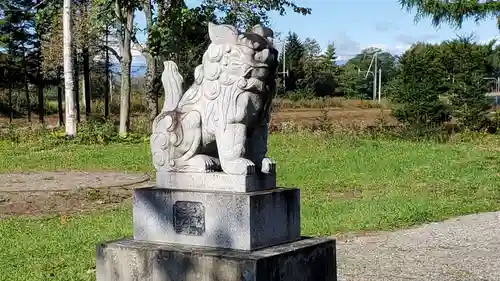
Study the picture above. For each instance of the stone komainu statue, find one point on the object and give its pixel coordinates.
(221, 121)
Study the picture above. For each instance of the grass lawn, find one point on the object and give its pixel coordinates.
(346, 185)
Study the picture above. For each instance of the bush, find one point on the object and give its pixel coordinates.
(422, 114)
(416, 92)
(470, 107)
(300, 94)
(96, 132)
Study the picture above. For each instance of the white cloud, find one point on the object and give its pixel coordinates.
(393, 49)
(345, 46)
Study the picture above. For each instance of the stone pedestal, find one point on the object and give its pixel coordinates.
(238, 228)
(310, 259)
(241, 221)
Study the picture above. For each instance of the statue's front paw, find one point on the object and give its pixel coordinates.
(268, 166)
(240, 166)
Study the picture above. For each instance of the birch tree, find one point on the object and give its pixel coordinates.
(121, 14)
(125, 14)
(68, 70)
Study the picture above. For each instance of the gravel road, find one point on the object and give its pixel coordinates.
(459, 249)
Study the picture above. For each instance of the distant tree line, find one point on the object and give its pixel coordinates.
(315, 73)
(428, 85)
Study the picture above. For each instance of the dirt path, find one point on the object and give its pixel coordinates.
(337, 116)
(64, 192)
(461, 249)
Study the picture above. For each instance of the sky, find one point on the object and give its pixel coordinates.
(353, 25)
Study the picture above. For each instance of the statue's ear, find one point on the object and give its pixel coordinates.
(222, 34)
(262, 31)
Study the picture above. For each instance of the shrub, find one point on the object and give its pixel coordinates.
(417, 98)
(96, 132)
(470, 105)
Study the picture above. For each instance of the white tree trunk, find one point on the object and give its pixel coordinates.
(83, 94)
(68, 71)
(125, 68)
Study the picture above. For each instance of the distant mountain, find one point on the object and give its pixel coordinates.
(138, 69)
(341, 62)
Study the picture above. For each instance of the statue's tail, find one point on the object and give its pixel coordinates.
(172, 83)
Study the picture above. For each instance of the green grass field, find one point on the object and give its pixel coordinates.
(346, 185)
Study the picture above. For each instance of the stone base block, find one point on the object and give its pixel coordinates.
(215, 181)
(244, 221)
(312, 259)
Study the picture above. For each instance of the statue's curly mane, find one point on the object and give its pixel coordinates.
(219, 89)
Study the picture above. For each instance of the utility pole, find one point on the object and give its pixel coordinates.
(106, 67)
(379, 84)
(375, 78)
(284, 72)
(68, 71)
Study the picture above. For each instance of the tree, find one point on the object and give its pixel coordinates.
(319, 73)
(330, 54)
(311, 47)
(86, 32)
(469, 103)
(294, 52)
(436, 82)
(52, 59)
(468, 63)
(68, 70)
(385, 61)
(329, 69)
(175, 33)
(18, 40)
(351, 83)
(453, 11)
(124, 12)
(246, 13)
(84, 38)
(418, 98)
(118, 15)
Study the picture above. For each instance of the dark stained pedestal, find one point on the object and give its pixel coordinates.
(309, 259)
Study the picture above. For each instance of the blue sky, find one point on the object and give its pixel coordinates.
(357, 24)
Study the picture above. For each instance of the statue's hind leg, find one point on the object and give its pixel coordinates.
(191, 160)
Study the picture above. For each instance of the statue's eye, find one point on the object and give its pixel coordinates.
(258, 56)
(256, 45)
(262, 56)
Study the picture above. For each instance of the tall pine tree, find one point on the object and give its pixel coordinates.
(294, 52)
(18, 43)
